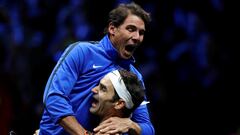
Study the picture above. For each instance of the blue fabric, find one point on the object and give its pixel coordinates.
(68, 90)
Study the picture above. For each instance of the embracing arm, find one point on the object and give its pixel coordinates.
(116, 125)
(140, 124)
(71, 125)
(56, 98)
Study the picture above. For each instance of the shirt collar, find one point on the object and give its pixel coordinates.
(112, 52)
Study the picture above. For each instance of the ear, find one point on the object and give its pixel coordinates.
(119, 104)
(111, 29)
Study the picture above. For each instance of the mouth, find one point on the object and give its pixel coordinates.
(130, 48)
(94, 101)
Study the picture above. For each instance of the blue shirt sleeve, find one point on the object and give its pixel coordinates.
(141, 116)
(60, 83)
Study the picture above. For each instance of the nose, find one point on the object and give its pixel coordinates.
(95, 90)
(136, 37)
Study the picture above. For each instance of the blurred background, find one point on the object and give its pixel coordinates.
(189, 71)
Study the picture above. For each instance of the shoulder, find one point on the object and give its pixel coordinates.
(139, 75)
(135, 71)
(82, 46)
(87, 45)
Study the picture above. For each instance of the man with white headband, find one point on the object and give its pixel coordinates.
(118, 94)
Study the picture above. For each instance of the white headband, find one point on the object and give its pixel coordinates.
(120, 88)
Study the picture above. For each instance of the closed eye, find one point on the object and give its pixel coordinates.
(131, 28)
(102, 87)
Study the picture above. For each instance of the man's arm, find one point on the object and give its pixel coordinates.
(118, 125)
(140, 124)
(60, 84)
(71, 125)
(56, 96)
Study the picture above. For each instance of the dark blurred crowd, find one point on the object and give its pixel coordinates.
(187, 66)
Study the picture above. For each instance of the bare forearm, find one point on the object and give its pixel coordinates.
(71, 125)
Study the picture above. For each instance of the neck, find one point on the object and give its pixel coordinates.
(111, 114)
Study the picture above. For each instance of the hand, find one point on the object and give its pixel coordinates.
(98, 133)
(114, 125)
(36, 132)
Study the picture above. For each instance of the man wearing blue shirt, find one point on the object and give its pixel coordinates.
(68, 97)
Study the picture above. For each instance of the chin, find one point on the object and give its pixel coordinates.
(126, 56)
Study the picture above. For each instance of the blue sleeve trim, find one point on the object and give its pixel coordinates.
(141, 116)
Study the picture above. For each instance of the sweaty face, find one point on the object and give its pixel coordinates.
(128, 36)
(103, 98)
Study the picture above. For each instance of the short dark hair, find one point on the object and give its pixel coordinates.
(135, 88)
(120, 13)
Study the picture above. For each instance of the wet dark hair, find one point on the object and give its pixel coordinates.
(135, 88)
(120, 13)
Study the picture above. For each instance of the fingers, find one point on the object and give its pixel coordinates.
(110, 126)
(98, 128)
(102, 128)
(108, 130)
(103, 125)
(109, 120)
(98, 133)
(113, 131)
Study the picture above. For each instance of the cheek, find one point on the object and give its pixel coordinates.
(141, 38)
(125, 35)
(104, 107)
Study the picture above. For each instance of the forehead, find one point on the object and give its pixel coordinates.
(107, 82)
(135, 21)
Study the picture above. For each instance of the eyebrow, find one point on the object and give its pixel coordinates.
(102, 86)
(131, 25)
